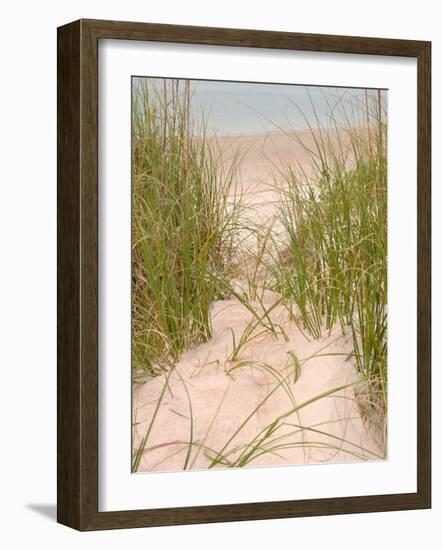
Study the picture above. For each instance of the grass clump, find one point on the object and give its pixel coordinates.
(181, 225)
(334, 264)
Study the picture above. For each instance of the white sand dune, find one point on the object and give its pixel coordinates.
(222, 401)
(225, 413)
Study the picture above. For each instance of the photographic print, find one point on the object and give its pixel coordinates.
(259, 274)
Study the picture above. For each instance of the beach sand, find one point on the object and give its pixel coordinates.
(211, 400)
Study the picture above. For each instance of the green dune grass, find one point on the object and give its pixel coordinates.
(181, 226)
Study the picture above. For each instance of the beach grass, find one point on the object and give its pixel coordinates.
(334, 267)
(181, 225)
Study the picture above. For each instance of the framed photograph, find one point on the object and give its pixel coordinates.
(243, 274)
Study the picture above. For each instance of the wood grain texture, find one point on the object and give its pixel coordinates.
(253, 38)
(424, 274)
(68, 276)
(77, 226)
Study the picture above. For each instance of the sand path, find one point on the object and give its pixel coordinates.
(216, 406)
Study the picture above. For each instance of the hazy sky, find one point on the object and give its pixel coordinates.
(238, 107)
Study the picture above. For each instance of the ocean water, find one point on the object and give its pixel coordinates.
(232, 108)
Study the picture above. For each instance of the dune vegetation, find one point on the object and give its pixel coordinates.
(181, 228)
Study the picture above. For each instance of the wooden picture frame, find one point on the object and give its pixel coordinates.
(77, 226)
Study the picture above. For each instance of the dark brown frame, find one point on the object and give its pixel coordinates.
(77, 226)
